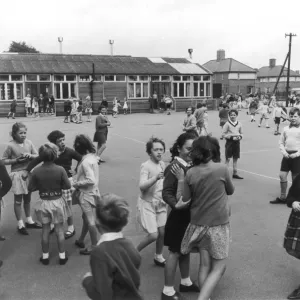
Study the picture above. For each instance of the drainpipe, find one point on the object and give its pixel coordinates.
(91, 83)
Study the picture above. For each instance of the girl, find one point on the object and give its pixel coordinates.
(207, 185)
(12, 111)
(79, 112)
(264, 113)
(50, 179)
(27, 100)
(18, 154)
(253, 106)
(168, 103)
(88, 108)
(35, 104)
(116, 105)
(189, 123)
(125, 106)
(74, 107)
(178, 219)
(152, 210)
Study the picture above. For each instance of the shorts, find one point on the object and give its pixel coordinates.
(100, 137)
(232, 149)
(277, 120)
(13, 110)
(264, 116)
(290, 165)
(19, 186)
(67, 194)
(215, 240)
(52, 211)
(89, 110)
(88, 203)
(151, 216)
(168, 105)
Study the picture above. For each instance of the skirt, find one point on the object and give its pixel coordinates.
(291, 241)
(19, 186)
(100, 137)
(176, 225)
(213, 239)
(52, 211)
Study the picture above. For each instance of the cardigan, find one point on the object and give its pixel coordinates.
(5, 180)
(294, 192)
(189, 123)
(101, 124)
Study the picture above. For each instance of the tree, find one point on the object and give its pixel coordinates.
(21, 47)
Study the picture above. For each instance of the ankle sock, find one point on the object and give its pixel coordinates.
(159, 257)
(169, 291)
(21, 224)
(71, 228)
(29, 220)
(186, 281)
(45, 256)
(51, 226)
(62, 255)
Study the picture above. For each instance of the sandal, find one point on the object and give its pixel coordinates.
(69, 234)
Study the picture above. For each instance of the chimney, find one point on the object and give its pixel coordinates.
(220, 54)
(272, 63)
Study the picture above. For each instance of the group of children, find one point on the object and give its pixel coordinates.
(74, 109)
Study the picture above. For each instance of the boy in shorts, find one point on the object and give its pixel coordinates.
(264, 113)
(278, 113)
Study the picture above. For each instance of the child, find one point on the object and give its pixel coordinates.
(12, 111)
(239, 103)
(79, 112)
(252, 109)
(35, 105)
(223, 115)
(116, 105)
(277, 114)
(169, 102)
(74, 106)
(89, 108)
(114, 261)
(100, 135)
(67, 110)
(189, 123)
(264, 113)
(205, 118)
(125, 106)
(152, 210)
(232, 131)
(209, 228)
(18, 154)
(27, 100)
(50, 179)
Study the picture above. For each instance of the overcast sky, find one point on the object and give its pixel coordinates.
(249, 31)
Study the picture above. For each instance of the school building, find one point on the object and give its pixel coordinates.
(102, 76)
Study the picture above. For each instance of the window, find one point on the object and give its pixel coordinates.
(206, 78)
(196, 89)
(165, 78)
(57, 90)
(109, 78)
(155, 78)
(73, 87)
(201, 89)
(145, 90)
(177, 78)
(4, 77)
(132, 78)
(238, 75)
(120, 78)
(10, 91)
(19, 91)
(70, 77)
(59, 78)
(65, 90)
(84, 77)
(197, 78)
(31, 77)
(143, 78)
(181, 89)
(97, 77)
(222, 76)
(44, 77)
(138, 90)
(208, 89)
(2, 91)
(16, 77)
(186, 78)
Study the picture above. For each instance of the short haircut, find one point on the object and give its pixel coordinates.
(294, 110)
(54, 136)
(149, 144)
(101, 107)
(113, 212)
(199, 105)
(204, 149)
(15, 129)
(233, 110)
(190, 107)
(83, 144)
(225, 105)
(48, 152)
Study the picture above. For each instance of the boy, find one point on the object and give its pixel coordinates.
(277, 114)
(264, 113)
(199, 115)
(79, 112)
(114, 261)
(232, 131)
(12, 111)
(223, 115)
(252, 109)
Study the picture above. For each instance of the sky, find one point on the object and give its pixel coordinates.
(251, 32)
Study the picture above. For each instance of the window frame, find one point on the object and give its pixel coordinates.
(6, 90)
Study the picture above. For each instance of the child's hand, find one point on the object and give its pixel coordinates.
(178, 172)
(26, 155)
(160, 175)
(181, 205)
(296, 206)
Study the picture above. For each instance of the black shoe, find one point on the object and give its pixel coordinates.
(34, 225)
(1, 263)
(69, 234)
(159, 264)
(44, 261)
(23, 231)
(278, 201)
(85, 252)
(236, 176)
(63, 261)
(79, 244)
(295, 294)
(176, 296)
(189, 289)
(52, 230)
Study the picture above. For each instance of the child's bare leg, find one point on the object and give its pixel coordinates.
(26, 204)
(45, 238)
(204, 268)
(235, 166)
(84, 230)
(59, 230)
(148, 239)
(17, 207)
(160, 241)
(100, 149)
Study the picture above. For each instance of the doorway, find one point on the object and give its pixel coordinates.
(35, 89)
(161, 89)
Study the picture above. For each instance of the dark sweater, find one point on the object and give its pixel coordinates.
(115, 272)
(64, 160)
(223, 113)
(49, 179)
(294, 192)
(101, 124)
(5, 180)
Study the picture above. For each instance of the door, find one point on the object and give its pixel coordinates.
(45, 89)
(32, 89)
(161, 89)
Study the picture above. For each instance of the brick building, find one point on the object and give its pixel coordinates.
(231, 75)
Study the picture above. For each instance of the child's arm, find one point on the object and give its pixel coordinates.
(145, 181)
(89, 176)
(282, 144)
(7, 158)
(4, 180)
(66, 185)
(32, 186)
(229, 187)
(241, 131)
(192, 126)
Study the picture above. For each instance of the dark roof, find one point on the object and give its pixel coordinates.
(227, 65)
(80, 64)
(274, 72)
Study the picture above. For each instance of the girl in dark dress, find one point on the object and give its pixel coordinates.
(178, 218)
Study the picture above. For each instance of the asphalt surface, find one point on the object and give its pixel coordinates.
(258, 267)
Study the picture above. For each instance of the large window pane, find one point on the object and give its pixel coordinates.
(132, 78)
(31, 77)
(131, 90)
(177, 78)
(16, 77)
(165, 78)
(4, 77)
(120, 78)
(181, 89)
(84, 78)
(143, 78)
(70, 77)
(208, 89)
(201, 89)
(109, 77)
(98, 77)
(196, 89)
(44, 77)
(73, 91)
(65, 90)
(19, 88)
(155, 78)
(145, 90)
(138, 91)
(186, 78)
(197, 78)
(188, 90)
(10, 91)
(175, 92)
(57, 90)
(206, 78)
(59, 78)
(2, 91)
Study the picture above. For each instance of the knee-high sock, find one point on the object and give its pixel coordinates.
(283, 188)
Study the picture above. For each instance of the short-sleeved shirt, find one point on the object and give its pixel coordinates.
(15, 150)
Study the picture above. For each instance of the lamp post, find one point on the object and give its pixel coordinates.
(111, 42)
(60, 40)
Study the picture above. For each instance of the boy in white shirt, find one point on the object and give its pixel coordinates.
(264, 113)
(278, 112)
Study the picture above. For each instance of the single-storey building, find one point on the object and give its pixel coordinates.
(230, 75)
(102, 76)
